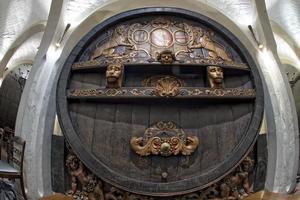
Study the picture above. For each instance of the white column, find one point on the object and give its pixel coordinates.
(283, 136)
(36, 112)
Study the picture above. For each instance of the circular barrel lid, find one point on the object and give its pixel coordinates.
(160, 101)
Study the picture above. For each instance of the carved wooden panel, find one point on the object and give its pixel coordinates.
(86, 186)
(133, 80)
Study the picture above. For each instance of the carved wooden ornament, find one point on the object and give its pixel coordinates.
(114, 75)
(164, 138)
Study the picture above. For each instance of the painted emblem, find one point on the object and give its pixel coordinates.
(161, 37)
(140, 36)
(181, 37)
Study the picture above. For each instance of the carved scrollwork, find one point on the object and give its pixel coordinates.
(94, 64)
(234, 186)
(202, 38)
(80, 175)
(163, 91)
(165, 86)
(143, 42)
(164, 138)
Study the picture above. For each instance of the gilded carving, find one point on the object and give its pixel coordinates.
(114, 75)
(166, 57)
(215, 77)
(164, 138)
(234, 186)
(163, 89)
(202, 39)
(143, 41)
(86, 64)
(161, 22)
(167, 87)
(80, 175)
(94, 64)
(117, 194)
(117, 39)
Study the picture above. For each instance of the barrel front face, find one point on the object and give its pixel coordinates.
(162, 104)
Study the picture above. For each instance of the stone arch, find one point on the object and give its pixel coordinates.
(39, 27)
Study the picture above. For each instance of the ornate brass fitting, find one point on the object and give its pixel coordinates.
(215, 77)
(114, 75)
(166, 139)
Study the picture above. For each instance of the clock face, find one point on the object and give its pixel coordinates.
(161, 37)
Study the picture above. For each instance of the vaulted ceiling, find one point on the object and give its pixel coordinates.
(286, 13)
(18, 15)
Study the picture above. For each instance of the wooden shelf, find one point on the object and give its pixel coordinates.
(98, 65)
(151, 93)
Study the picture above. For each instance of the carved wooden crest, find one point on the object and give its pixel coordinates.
(164, 138)
(234, 186)
(165, 86)
(162, 40)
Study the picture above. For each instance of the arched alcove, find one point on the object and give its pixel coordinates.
(10, 94)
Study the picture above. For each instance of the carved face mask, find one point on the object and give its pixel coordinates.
(166, 58)
(113, 73)
(215, 73)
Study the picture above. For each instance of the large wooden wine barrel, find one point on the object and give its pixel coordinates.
(139, 104)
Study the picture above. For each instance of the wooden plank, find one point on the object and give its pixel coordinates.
(223, 130)
(103, 131)
(85, 116)
(189, 121)
(120, 138)
(140, 122)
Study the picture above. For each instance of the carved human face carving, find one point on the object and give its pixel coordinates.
(113, 72)
(247, 164)
(72, 163)
(166, 57)
(216, 74)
